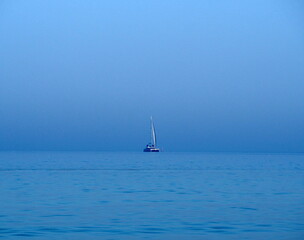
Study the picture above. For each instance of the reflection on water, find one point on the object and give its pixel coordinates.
(151, 196)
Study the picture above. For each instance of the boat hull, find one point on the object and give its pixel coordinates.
(151, 150)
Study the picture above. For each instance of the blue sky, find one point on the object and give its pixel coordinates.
(216, 76)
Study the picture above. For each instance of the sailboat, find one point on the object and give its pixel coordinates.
(151, 147)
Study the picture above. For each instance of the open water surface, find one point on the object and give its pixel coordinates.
(94, 195)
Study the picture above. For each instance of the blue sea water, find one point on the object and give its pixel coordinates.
(95, 195)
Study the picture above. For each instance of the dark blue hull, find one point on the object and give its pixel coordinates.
(151, 150)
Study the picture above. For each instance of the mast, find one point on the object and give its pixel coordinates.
(153, 135)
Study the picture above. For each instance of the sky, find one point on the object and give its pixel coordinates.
(217, 76)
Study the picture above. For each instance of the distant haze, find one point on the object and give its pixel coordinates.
(217, 76)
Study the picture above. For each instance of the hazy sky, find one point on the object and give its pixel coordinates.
(215, 75)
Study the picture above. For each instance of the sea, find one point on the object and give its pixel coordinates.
(134, 195)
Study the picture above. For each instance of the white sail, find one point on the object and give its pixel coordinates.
(153, 135)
